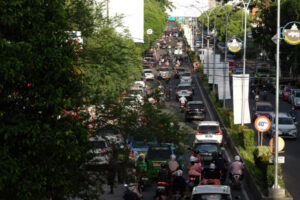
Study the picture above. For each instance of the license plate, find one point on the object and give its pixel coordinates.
(156, 164)
(208, 136)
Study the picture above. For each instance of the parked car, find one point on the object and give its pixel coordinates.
(195, 110)
(286, 125)
(262, 108)
(295, 98)
(101, 150)
(286, 92)
(156, 155)
(208, 150)
(213, 192)
(148, 74)
(186, 90)
(209, 130)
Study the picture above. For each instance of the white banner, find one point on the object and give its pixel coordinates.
(240, 88)
(208, 60)
(132, 12)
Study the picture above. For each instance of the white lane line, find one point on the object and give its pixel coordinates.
(203, 98)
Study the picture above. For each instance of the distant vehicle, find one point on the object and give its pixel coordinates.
(208, 150)
(213, 192)
(262, 108)
(179, 71)
(295, 98)
(148, 74)
(263, 69)
(195, 110)
(184, 90)
(138, 145)
(238, 71)
(164, 73)
(286, 126)
(101, 150)
(209, 130)
(286, 92)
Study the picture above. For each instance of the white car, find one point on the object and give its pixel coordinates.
(186, 90)
(148, 74)
(186, 79)
(286, 125)
(295, 97)
(217, 192)
(209, 130)
(101, 151)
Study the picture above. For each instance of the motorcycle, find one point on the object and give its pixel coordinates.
(182, 107)
(161, 191)
(210, 182)
(236, 181)
(193, 181)
(177, 195)
(131, 192)
(143, 182)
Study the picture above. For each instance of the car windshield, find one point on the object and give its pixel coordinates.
(202, 147)
(186, 74)
(297, 94)
(139, 144)
(164, 70)
(264, 108)
(196, 106)
(159, 153)
(208, 129)
(148, 71)
(285, 120)
(180, 69)
(184, 87)
(211, 197)
(98, 144)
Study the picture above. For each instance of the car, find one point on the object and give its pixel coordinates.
(184, 90)
(209, 130)
(262, 108)
(195, 110)
(295, 98)
(148, 74)
(178, 52)
(286, 126)
(156, 155)
(164, 73)
(286, 92)
(211, 192)
(138, 145)
(113, 137)
(208, 150)
(186, 79)
(131, 103)
(100, 149)
(186, 75)
(179, 71)
(293, 92)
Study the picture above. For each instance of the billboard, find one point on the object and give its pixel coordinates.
(132, 12)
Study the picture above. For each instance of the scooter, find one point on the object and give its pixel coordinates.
(236, 181)
(193, 181)
(182, 107)
(161, 191)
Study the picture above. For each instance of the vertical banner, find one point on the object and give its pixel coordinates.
(132, 13)
(240, 86)
(224, 84)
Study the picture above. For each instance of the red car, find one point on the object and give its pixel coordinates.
(286, 92)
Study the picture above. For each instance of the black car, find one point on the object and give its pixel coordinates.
(208, 150)
(195, 110)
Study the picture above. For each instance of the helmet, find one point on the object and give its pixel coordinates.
(237, 158)
(173, 157)
(163, 165)
(131, 187)
(178, 173)
(212, 166)
(193, 159)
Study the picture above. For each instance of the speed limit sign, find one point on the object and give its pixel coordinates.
(262, 124)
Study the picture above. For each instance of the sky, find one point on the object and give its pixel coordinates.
(188, 8)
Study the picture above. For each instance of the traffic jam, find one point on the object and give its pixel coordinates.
(203, 170)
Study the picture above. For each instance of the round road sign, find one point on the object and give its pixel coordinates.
(281, 144)
(262, 124)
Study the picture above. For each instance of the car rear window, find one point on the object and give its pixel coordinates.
(164, 69)
(202, 147)
(181, 69)
(196, 106)
(298, 94)
(285, 120)
(264, 108)
(139, 144)
(186, 74)
(208, 129)
(99, 144)
(184, 87)
(159, 153)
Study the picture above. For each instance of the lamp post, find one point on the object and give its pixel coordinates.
(208, 13)
(227, 13)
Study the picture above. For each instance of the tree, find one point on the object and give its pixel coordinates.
(41, 154)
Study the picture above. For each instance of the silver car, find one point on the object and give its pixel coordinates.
(286, 126)
(211, 192)
(184, 90)
(295, 97)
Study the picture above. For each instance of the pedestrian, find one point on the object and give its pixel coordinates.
(111, 173)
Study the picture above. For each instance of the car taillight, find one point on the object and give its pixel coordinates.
(190, 90)
(197, 133)
(192, 178)
(220, 132)
(203, 109)
(130, 154)
(178, 90)
(103, 153)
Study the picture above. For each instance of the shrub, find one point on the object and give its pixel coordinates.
(270, 176)
(248, 138)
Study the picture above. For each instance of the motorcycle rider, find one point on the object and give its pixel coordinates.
(163, 174)
(221, 166)
(293, 113)
(236, 167)
(173, 164)
(179, 183)
(195, 169)
(211, 175)
(182, 100)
